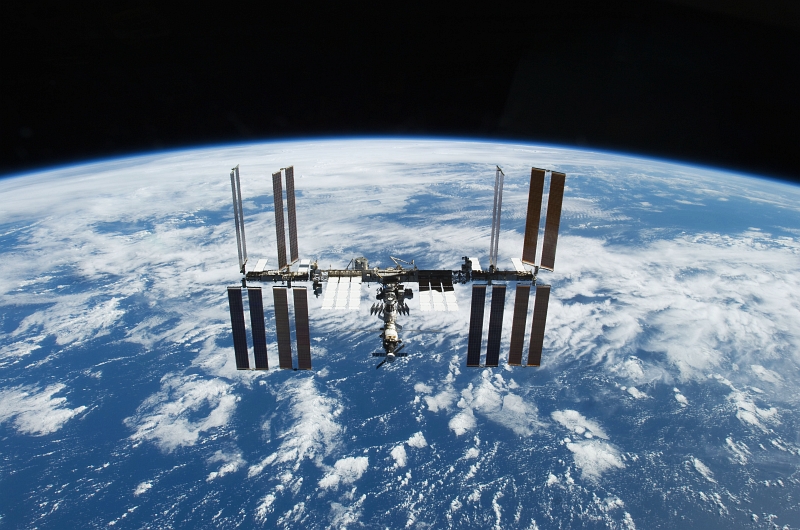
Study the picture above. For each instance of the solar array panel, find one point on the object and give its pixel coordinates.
(279, 295)
(553, 219)
(238, 217)
(437, 296)
(280, 233)
(354, 299)
(476, 325)
(301, 328)
(343, 293)
(257, 325)
(304, 266)
(518, 324)
(261, 265)
(496, 210)
(237, 325)
(537, 327)
(450, 296)
(330, 293)
(424, 296)
(495, 324)
(290, 204)
(476, 265)
(241, 215)
(534, 216)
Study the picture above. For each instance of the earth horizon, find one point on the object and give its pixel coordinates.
(667, 395)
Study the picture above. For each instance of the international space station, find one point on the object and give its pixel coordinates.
(435, 287)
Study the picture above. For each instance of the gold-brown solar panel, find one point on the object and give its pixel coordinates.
(534, 215)
(282, 326)
(301, 327)
(476, 325)
(257, 325)
(495, 324)
(553, 220)
(237, 326)
(280, 233)
(537, 327)
(518, 324)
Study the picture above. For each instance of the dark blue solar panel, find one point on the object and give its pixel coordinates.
(237, 325)
(518, 324)
(282, 326)
(534, 216)
(280, 233)
(257, 325)
(301, 328)
(537, 327)
(495, 324)
(553, 220)
(476, 325)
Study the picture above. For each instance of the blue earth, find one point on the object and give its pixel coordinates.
(667, 396)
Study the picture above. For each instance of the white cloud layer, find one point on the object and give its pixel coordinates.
(74, 319)
(693, 294)
(34, 410)
(142, 488)
(399, 455)
(493, 399)
(231, 462)
(574, 421)
(14, 351)
(595, 457)
(441, 401)
(346, 471)
(592, 456)
(167, 417)
(703, 470)
(314, 431)
(417, 440)
(766, 374)
(746, 410)
(636, 393)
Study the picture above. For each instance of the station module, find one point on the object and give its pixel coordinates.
(342, 287)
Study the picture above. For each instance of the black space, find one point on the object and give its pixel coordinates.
(695, 80)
